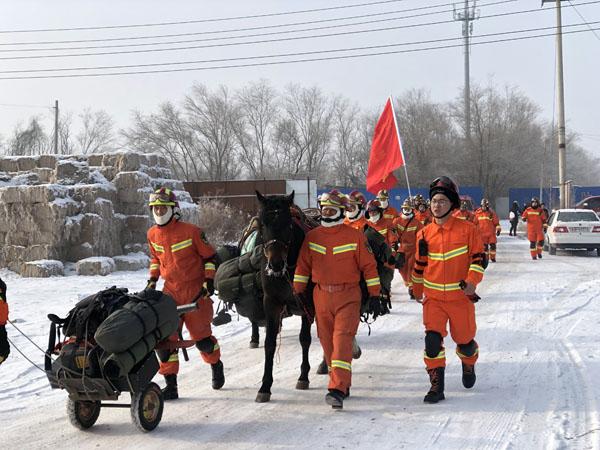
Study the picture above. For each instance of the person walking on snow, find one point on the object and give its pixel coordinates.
(448, 268)
(407, 227)
(4, 346)
(489, 227)
(335, 256)
(389, 212)
(513, 217)
(536, 224)
(182, 256)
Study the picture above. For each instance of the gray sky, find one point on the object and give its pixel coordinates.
(528, 64)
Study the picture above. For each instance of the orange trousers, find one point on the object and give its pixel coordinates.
(536, 237)
(197, 322)
(407, 268)
(338, 316)
(461, 315)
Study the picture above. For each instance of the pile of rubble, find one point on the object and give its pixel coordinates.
(87, 209)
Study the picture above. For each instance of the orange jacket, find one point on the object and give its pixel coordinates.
(535, 218)
(390, 213)
(487, 222)
(358, 224)
(454, 254)
(336, 256)
(464, 215)
(386, 228)
(180, 254)
(407, 229)
(423, 217)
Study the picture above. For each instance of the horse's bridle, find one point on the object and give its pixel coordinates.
(269, 271)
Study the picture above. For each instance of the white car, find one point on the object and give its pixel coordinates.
(573, 229)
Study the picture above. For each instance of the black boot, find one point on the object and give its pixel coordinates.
(218, 377)
(322, 369)
(436, 393)
(468, 376)
(170, 390)
(335, 398)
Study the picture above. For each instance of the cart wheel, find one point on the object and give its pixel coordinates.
(147, 407)
(83, 414)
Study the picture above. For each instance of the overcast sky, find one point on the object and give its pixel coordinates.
(528, 64)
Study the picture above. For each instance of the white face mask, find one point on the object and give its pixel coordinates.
(408, 213)
(374, 217)
(384, 203)
(355, 215)
(334, 220)
(164, 219)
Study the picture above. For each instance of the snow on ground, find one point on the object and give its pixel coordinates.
(537, 376)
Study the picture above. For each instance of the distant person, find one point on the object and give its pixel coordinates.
(4, 346)
(489, 228)
(536, 223)
(513, 217)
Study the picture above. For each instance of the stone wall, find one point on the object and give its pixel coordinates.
(56, 208)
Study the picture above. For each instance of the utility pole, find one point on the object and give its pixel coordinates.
(467, 16)
(560, 98)
(56, 127)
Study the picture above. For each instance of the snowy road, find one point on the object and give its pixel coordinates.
(537, 381)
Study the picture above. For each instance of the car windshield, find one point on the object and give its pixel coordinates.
(577, 216)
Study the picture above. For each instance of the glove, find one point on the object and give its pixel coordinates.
(210, 286)
(151, 284)
(374, 306)
(4, 347)
(545, 228)
(2, 289)
(395, 246)
(400, 260)
(498, 232)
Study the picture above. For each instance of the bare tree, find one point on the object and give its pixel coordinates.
(96, 133)
(211, 116)
(32, 140)
(254, 129)
(305, 130)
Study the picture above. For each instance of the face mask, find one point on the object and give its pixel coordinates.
(334, 220)
(407, 212)
(354, 215)
(374, 217)
(164, 219)
(384, 203)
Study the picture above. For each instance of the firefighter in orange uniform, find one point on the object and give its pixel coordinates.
(389, 212)
(4, 346)
(489, 228)
(536, 224)
(407, 227)
(355, 211)
(335, 256)
(182, 256)
(463, 213)
(449, 266)
(422, 213)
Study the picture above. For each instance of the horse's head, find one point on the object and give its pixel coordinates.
(276, 230)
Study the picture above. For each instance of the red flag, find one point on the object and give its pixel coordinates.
(386, 152)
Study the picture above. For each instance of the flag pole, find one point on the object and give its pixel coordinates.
(400, 142)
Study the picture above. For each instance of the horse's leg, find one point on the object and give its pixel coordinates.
(305, 340)
(255, 335)
(272, 330)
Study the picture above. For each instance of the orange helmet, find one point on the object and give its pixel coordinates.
(383, 194)
(163, 197)
(333, 198)
(358, 198)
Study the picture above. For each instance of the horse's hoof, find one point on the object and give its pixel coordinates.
(253, 344)
(302, 385)
(263, 397)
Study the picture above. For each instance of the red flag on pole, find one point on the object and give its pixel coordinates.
(386, 152)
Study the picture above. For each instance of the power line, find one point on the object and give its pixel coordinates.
(281, 55)
(281, 39)
(328, 58)
(220, 19)
(237, 30)
(583, 18)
